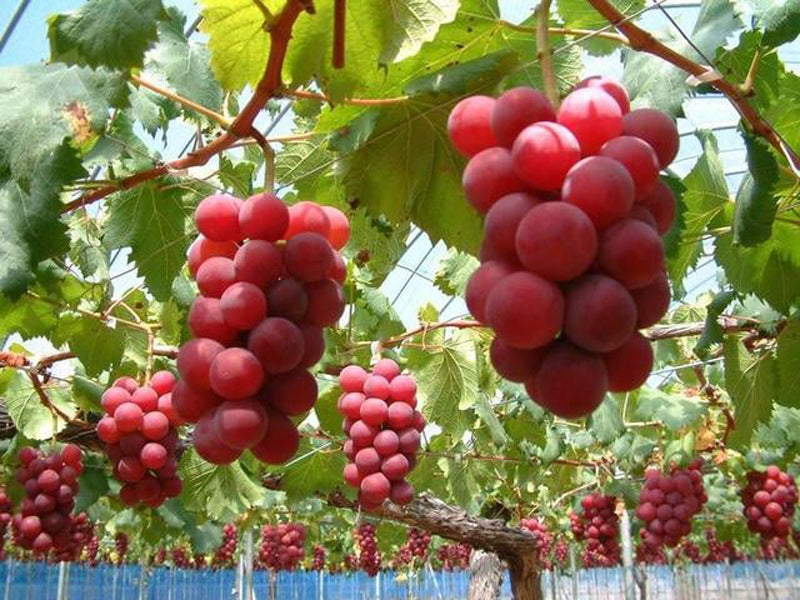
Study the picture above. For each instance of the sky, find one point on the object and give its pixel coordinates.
(410, 285)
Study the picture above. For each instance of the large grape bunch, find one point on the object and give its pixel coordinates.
(258, 322)
(416, 546)
(44, 521)
(140, 433)
(543, 537)
(282, 546)
(572, 263)
(369, 557)
(384, 430)
(597, 523)
(667, 504)
(769, 499)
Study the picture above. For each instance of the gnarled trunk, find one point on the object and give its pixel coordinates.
(526, 578)
(485, 575)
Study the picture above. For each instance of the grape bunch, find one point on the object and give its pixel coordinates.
(282, 546)
(561, 552)
(82, 532)
(318, 558)
(226, 550)
(51, 483)
(454, 557)
(544, 540)
(6, 508)
(121, 543)
(720, 551)
(92, 548)
(369, 557)
(180, 558)
(416, 546)
(258, 322)
(598, 525)
(139, 430)
(572, 263)
(769, 500)
(384, 430)
(667, 504)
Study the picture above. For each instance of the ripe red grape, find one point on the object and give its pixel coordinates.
(469, 125)
(610, 86)
(190, 403)
(339, 233)
(632, 253)
(215, 276)
(517, 108)
(243, 306)
(258, 262)
(202, 249)
(112, 398)
(206, 320)
(194, 361)
(162, 382)
(209, 445)
(639, 160)
(217, 218)
(542, 155)
(278, 344)
(515, 364)
(235, 374)
(263, 217)
(128, 417)
(155, 425)
(307, 216)
(489, 176)
(602, 188)
(352, 378)
(655, 128)
(629, 366)
(308, 257)
(153, 455)
(325, 302)
(652, 301)
(374, 411)
(280, 442)
(502, 220)
(240, 424)
(287, 298)
(661, 203)
(481, 283)
(293, 393)
(593, 116)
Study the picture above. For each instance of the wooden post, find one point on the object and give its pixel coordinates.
(627, 555)
(485, 575)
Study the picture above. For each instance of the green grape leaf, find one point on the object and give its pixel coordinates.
(675, 411)
(109, 33)
(31, 417)
(330, 421)
(756, 203)
(313, 471)
(222, 492)
(151, 222)
(486, 413)
(97, 346)
(415, 22)
(447, 386)
(651, 81)
(87, 393)
(606, 422)
(712, 332)
(788, 358)
(93, 485)
(185, 64)
(454, 272)
(785, 113)
(734, 64)
(554, 446)
(237, 176)
(577, 14)
(705, 197)
(779, 19)
(752, 382)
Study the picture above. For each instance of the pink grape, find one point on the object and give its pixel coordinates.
(376, 386)
(217, 218)
(162, 382)
(481, 283)
(489, 176)
(376, 487)
(209, 445)
(655, 128)
(278, 344)
(235, 374)
(611, 87)
(602, 188)
(351, 475)
(401, 493)
(130, 469)
(153, 455)
(243, 306)
(288, 299)
(374, 411)
(517, 108)
(194, 361)
(215, 276)
(352, 378)
(386, 368)
(190, 403)
(126, 383)
(206, 320)
(502, 221)
(155, 425)
(629, 366)
(281, 441)
(313, 344)
(112, 398)
(543, 154)
(469, 125)
(202, 249)
(350, 404)
(632, 253)
(395, 467)
(409, 440)
(240, 424)
(308, 257)
(258, 262)
(386, 442)
(146, 397)
(339, 233)
(661, 203)
(325, 302)
(639, 160)
(293, 393)
(263, 217)
(515, 364)
(368, 461)
(400, 416)
(403, 388)
(652, 301)
(593, 116)
(307, 216)
(362, 433)
(128, 417)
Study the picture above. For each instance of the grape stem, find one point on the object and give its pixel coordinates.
(306, 95)
(568, 31)
(198, 108)
(544, 53)
(644, 41)
(242, 126)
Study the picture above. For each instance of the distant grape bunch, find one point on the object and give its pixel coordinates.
(769, 499)
(318, 557)
(454, 557)
(227, 548)
(416, 546)
(572, 265)
(121, 544)
(544, 540)
(667, 504)
(598, 525)
(258, 322)
(384, 430)
(44, 521)
(282, 546)
(369, 557)
(140, 433)
(6, 508)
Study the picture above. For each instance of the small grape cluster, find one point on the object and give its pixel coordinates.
(226, 550)
(258, 322)
(121, 543)
(82, 531)
(598, 524)
(416, 546)
(369, 557)
(350, 562)
(544, 540)
(384, 430)
(282, 546)
(139, 430)
(6, 508)
(720, 551)
(667, 503)
(454, 557)
(769, 500)
(51, 483)
(572, 259)
(318, 557)
(92, 548)
(561, 552)
(180, 558)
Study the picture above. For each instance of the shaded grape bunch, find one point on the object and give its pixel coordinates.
(369, 557)
(769, 499)
(598, 525)
(454, 557)
(282, 546)
(140, 434)
(318, 557)
(270, 280)
(227, 548)
(544, 540)
(384, 429)
(572, 262)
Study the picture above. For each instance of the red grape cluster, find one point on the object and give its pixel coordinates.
(769, 500)
(82, 532)
(384, 428)
(258, 322)
(282, 546)
(6, 509)
(454, 557)
(226, 550)
(180, 558)
(369, 557)
(719, 551)
(777, 548)
(350, 562)
(139, 430)
(51, 482)
(544, 540)
(121, 543)
(318, 558)
(416, 546)
(561, 552)
(667, 504)
(572, 262)
(92, 548)
(598, 524)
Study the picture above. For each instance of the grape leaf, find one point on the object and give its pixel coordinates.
(93, 484)
(415, 22)
(31, 417)
(705, 197)
(779, 19)
(554, 446)
(675, 411)
(223, 492)
(97, 346)
(606, 422)
(712, 331)
(751, 381)
(110, 33)
(785, 114)
(735, 63)
(756, 203)
(651, 81)
(41, 105)
(454, 272)
(330, 421)
(788, 358)
(577, 14)
(185, 64)
(312, 471)
(151, 221)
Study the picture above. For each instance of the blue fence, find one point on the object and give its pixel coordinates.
(744, 581)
